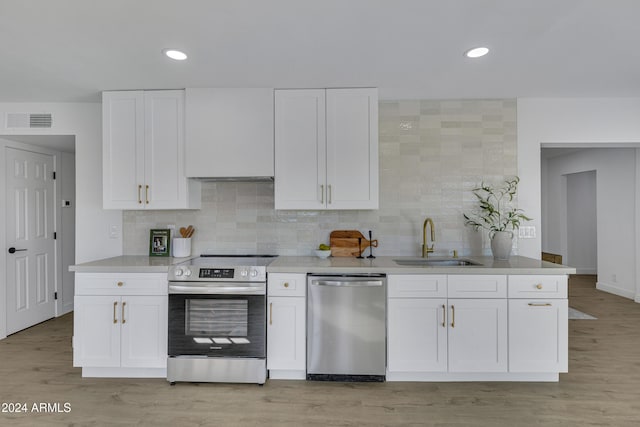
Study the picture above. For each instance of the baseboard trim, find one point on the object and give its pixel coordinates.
(612, 289)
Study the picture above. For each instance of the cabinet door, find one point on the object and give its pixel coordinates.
(143, 321)
(477, 335)
(352, 148)
(286, 329)
(417, 335)
(300, 149)
(96, 331)
(538, 335)
(165, 186)
(123, 149)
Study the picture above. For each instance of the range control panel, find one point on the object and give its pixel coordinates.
(216, 273)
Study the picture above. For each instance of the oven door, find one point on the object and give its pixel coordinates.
(217, 325)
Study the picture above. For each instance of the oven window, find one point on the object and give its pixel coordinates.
(216, 317)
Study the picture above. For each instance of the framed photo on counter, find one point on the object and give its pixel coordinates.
(160, 242)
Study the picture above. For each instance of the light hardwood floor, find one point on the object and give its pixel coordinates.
(601, 389)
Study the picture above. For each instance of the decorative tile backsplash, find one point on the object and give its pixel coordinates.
(432, 153)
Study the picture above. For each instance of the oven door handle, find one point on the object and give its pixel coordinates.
(216, 289)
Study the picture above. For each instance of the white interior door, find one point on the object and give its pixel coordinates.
(29, 230)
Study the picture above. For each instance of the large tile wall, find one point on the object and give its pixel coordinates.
(432, 152)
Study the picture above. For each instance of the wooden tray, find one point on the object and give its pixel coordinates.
(344, 243)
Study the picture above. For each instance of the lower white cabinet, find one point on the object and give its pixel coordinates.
(538, 323)
(286, 326)
(416, 335)
(117, 333)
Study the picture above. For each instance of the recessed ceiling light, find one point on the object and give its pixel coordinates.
(476, 52)
(175, 54)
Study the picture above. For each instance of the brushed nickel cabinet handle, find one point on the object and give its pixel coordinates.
(322, 194)
(146, 194)
(139, 198)
(540, 304)
(123, 319)
(444, 315)
(115, 304)
(271, 313)
(453, 316)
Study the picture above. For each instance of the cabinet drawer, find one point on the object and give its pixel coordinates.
(425, 286)
(121, 284)
(537, 286)
(283, 284)
(477, 286)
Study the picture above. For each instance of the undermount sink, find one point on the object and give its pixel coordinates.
(436, 262)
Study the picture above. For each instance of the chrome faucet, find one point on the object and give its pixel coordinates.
(425, 249)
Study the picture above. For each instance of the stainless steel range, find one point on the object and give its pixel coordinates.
(217, 322)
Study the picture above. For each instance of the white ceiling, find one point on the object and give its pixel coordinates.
(70, 50)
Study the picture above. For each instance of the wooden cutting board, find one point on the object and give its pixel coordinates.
(344, 243)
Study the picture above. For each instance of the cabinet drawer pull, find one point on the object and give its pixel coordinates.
(539, 286)
(286, 284)
(123, 319)
(120, 284)
(146, 194)
(329, 195)
(322, 194)
(540, 304)
(139, 198)
(444, 315)
(271, 313)
(115, 304)
(453, 316)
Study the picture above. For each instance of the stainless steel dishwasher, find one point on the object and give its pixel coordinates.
(346, 332)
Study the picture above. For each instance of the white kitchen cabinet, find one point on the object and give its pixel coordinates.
(229, 132)
(477, 335)
(122, 330)
(143, 151)
(326, 149)
(286, 326)
(416, 335)
(431, 335)
(538, 328)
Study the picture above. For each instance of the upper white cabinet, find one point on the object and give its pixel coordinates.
(143, 151)
(326, 149)
(229, 132)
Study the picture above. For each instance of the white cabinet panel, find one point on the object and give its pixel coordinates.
(417, 335)
(538, 286)
(229, 132)
(477, 286)
(96, 331)
(477, 335)
(286, 331)
(538, 335)
(417, 286)
(143, 323)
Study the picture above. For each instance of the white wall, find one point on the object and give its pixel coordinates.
(581, 221)
(615, 205)
(84, 120)
(568, 122)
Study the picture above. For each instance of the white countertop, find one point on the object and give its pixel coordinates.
(334, 265)
(386, 264)
(128, 264)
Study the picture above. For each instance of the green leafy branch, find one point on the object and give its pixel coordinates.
(494, 211)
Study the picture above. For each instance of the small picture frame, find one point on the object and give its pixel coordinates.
(159, 242)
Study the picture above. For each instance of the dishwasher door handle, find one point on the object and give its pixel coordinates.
(347, 283)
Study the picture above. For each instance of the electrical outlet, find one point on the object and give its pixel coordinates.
(114, 232)
(527, 232)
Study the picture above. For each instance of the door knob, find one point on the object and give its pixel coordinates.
(14, 250)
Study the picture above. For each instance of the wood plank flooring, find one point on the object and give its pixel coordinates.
(601, 389)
